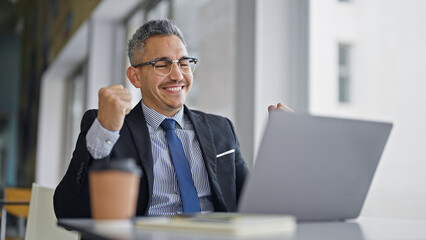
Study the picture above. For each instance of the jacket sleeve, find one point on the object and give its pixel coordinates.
(71, 198)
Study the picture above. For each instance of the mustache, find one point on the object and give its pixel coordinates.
(175, 82)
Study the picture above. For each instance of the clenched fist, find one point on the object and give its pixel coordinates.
(114, 104)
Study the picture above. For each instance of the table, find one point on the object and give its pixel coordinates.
(363, 228)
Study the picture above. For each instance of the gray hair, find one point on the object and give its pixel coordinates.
(162, 27)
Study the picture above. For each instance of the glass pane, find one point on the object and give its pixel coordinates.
(210, 32)
(343, 89)
(344, 72)
(76, 108)
(343, 54)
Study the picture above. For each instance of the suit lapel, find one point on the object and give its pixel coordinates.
(139, 131)
(205, 138)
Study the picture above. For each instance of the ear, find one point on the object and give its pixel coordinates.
(132, 75)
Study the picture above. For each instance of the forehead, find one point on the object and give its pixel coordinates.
(164, 46)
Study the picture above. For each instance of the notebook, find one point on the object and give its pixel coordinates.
(314, 168)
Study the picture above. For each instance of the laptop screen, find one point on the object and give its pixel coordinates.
(315, 168)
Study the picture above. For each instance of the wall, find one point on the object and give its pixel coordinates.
(388, 83)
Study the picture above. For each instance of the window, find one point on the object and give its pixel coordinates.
(75, 110)
(344, 72)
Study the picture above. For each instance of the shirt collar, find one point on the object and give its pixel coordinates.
(154, 118)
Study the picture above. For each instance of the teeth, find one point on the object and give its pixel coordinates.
(174, 89)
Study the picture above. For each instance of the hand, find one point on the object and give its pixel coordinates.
(280, 107)
(114, 104)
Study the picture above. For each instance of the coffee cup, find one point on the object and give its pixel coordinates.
(114, 187)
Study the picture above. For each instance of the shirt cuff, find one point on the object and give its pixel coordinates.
(100, 141)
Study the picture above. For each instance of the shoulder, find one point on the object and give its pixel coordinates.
(90, 113)
(215, 122)
(211, 118)
(88, 118)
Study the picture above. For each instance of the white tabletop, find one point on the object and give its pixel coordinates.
(366, 228)
(363, 228)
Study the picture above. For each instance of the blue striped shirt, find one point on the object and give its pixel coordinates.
(165, 198)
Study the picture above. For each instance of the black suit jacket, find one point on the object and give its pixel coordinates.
(214, 133)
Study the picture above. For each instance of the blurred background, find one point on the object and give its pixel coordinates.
(362, 59)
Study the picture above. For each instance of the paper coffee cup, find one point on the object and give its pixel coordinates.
(114, 187)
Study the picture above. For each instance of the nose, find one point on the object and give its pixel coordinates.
(176, 73)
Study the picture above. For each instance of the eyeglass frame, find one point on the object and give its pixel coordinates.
(178, 61)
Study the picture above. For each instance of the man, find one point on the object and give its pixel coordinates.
(162, 69)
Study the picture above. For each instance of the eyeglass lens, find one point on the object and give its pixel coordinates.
(164, 67)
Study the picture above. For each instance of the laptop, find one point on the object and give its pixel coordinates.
(315, 168)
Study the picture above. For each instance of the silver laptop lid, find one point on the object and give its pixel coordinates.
(315, 168)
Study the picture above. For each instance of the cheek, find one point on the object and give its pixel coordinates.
(189, 80)
(150, 82)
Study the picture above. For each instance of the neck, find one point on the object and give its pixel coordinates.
(167, 113)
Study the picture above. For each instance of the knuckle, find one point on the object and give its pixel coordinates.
(106, 91)
(117, 105)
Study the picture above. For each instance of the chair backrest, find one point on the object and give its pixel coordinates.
(42, 223)
(19, 195)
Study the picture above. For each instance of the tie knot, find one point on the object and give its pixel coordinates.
(168, 124)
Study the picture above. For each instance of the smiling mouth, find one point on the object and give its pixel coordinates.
(174, 89)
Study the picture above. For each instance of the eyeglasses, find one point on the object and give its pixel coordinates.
(163, 66)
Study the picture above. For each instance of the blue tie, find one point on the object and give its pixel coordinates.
(188, 193)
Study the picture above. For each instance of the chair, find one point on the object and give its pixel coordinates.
(15, 202)
(42, 223)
